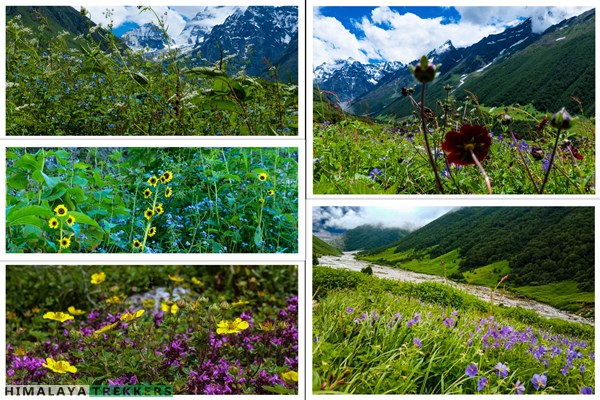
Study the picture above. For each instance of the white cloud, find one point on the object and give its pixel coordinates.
(343, 218)
(388, 35)
(120, 15)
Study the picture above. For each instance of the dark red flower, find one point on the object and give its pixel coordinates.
(472, 139)
(575, 153)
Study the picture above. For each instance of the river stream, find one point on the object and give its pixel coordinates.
(507, 299)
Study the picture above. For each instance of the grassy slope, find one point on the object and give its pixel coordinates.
(323, 248)
(563, 295)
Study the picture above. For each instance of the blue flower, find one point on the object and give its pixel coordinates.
(519, 388)
(501, 370)
(539, 381)
(586, 390)
(349, 310)
(417, 342)
(374, 174)
(471, 370)
(483, 381)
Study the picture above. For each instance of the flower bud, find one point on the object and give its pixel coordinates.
(505, 119)
(214, 308)
(411, 90)
(181, 303)
(537, 152)
(424, 71)
(561, 120)
(447, 87)
(224, 305)
(404, 91)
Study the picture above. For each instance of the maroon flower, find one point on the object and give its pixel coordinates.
(460, 146)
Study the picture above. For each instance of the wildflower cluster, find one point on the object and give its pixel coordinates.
(154, 209)
(62, 222)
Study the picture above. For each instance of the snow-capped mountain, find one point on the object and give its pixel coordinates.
(350, 78)
(250, 38)
(146, 37)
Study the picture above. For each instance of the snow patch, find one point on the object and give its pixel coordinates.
(561, 38)
(479, 70)
(518, 43)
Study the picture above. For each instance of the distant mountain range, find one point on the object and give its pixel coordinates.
(515, 66)
(365, 237)
(252, 39)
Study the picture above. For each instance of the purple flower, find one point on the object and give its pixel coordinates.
(519, 388)
(581, 368)
(471, 370)
(483, 381)
(539, 381)
(374, 174)
(449, 322)
(564, 370)
(586, 390)
(501, 370)
(417, 342)
(349, 310)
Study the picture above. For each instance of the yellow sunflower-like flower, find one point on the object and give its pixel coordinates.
(20, 351)
(176, 279)
(167, 176)
(262, 176)
(65, 242)
(98, 278)
(153, 180)
(149, 213)
(261, 201)
(61, 210)
(196, 281)
(58, 316)
(147, 193)
(137, 244)
(152, 231)
(128, 317)
(169, 308)
(73, 311)
(168, 192)
(106, 328)
(62, 367)
(70, 220)
(270, 192)
(159, 209)
(53, 223)
(290, 377)
(228, 327)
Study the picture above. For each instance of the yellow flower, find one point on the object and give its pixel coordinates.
(282, 325)
(114, 300)
(36, 309)
(148, 303)
(65, 242)
(159, 209)
(235, 326)
(266, 326)
(58, 316)
(167, 176)
(106, 328)
(127, 317)
(152, 231)
(20, 351)
(147, 193)
(262, 176)
(169, 308)
(137, 244)
(262, 293)
(240, 303)
(62, 367)
(73, 311)
(53, 223)
(148, 213)
(153, 181)
(61, 210)
(176, 279)
(168, 192)
(70, 220)
(261, 201)
(290, 377)
(98, 278)
(196, 281)
(270, 192)
(11, 316)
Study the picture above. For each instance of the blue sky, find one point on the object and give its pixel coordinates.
(376, 34)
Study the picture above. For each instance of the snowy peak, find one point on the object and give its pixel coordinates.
(145, 37)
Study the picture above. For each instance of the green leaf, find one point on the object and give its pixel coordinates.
(43, 178)
(206, 71)
(18, 181)
(55, 193)
(29, 162)
(22, 215)
(140, 78)
(258, 237)
(84, 219)
(224, 105)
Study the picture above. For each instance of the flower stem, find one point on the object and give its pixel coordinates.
(485, 176)
(523, 161)
(438, 183)
(551, 162)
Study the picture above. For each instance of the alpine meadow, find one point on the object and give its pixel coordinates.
(512, 113)
(67, 75)
(480, 300)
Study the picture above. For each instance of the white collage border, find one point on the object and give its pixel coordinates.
(306, 199)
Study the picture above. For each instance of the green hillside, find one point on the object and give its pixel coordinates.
(366, 237)
(322, 248)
